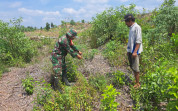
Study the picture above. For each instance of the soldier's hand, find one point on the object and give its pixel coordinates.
(80, 53)
(79, 57)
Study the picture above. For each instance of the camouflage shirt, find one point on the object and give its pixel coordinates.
(64, 46)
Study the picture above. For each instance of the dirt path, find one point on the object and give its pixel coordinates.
(12, 95)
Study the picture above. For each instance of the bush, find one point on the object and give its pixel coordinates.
(46, 41)
(71, 69)
(174, 41)
(47, 26)
(83, 21)
(103, 27)
(165, 22)
(72, 22)
(78, 97)
(122, 32)
(118, 79)
(14, 45)
(89, 54)
(108, 102)
(107, 25)
(158, 86)
(98, 81)
(115, 52)
(28, 85)
(63, 31)
(173, 89)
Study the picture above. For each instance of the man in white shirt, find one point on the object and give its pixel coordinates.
(134, 46)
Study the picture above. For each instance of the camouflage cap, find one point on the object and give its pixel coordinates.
(72, 33)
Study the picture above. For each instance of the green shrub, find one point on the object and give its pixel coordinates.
(46, 41)
(83, 21)
(174, 41)
(28, 85)
(152, 54)
(98, 81)
(78, 97)
(118, 79)
(115, 52)
(104, 26)
(47, 26)
(108, 102)
(108, 25)
(63, 31)
(71, 69)
(14, 44)
(173, 89)
(3, 69)
(90, 53)
(45, 99)
(122, 32)
(72, 22)
(165, 23)
(158, 86)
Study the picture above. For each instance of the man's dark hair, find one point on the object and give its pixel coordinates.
(129, 17)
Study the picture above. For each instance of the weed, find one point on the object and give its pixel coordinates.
(90, 54)
(115, 53)
(46, 41)
(28, 85)
(98, 81)
(118, 79)
(108, 102)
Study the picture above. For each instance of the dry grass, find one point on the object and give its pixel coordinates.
(51, 33)
(54, 32)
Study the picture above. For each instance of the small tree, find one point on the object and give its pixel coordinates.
(83, 21)
(52, 25)
(47, 26)
(165, 22)
(72, 22)
(63, 23)
(108, 101)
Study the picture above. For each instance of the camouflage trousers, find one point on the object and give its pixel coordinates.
(59, 65)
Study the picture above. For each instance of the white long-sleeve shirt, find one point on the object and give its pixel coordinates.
(135, 36)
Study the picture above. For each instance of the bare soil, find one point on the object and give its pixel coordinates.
(12, 95)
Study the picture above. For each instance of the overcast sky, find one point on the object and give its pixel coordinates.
(38, 12)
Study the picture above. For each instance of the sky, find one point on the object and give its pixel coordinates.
(37, 12)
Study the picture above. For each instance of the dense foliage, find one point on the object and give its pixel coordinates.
(28, 85)
(109, 25)
(72, 22)
(159, 59)
(47, 26)
(14, 46)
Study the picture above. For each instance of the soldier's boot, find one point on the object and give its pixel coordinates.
(64, 78)
(57, 85)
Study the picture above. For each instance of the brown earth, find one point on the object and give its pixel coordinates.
(12, 95)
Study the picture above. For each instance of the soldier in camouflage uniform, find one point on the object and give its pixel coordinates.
(63, 46)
